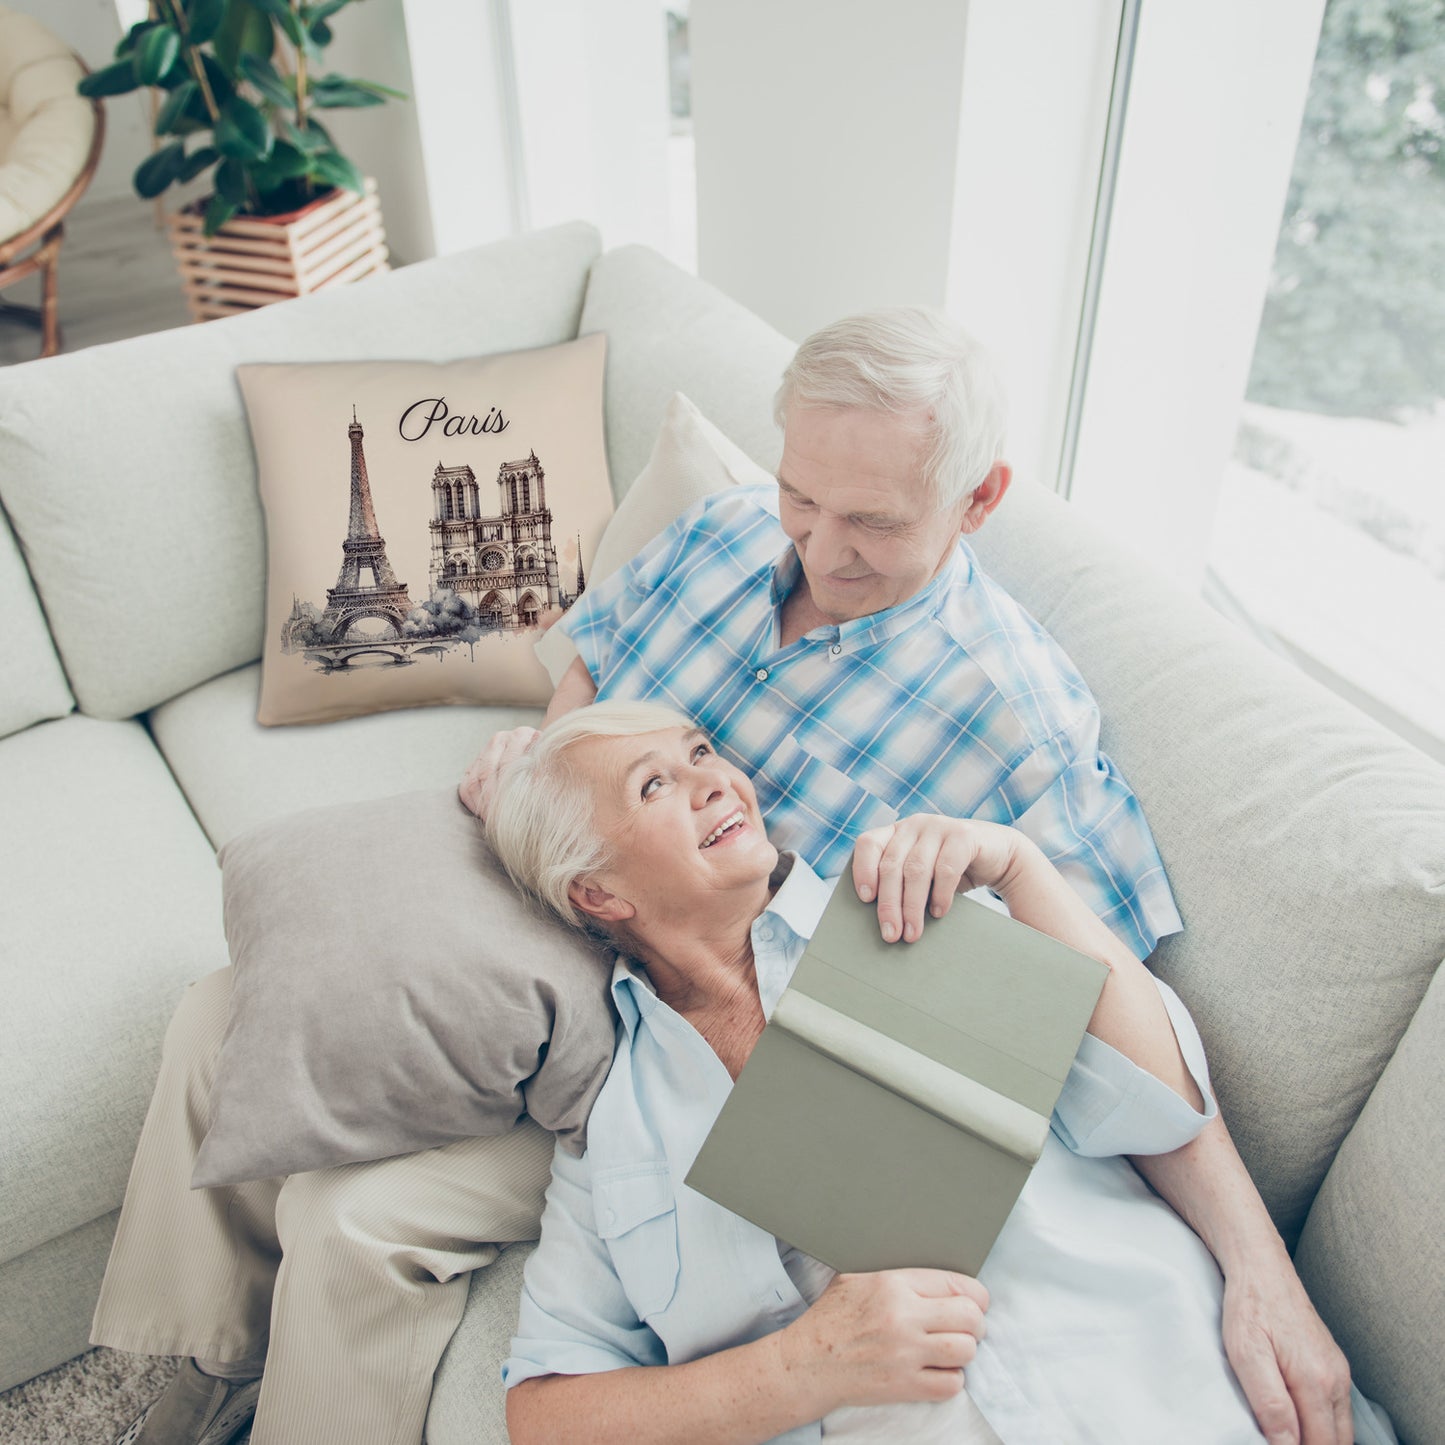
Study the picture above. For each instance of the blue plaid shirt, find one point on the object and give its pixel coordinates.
(954, 702)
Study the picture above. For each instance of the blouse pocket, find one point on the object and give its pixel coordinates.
(637, 1216)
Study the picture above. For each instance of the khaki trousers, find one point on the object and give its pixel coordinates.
(350, 1281)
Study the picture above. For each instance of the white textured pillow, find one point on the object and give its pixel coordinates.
(691, 459)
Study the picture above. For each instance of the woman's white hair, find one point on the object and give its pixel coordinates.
(542, 821)
(908, 360)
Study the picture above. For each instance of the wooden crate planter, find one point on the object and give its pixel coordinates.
(255, 260)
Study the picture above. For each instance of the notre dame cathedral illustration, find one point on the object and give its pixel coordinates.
(502, 562)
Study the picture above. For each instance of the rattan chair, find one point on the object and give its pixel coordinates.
(50, 139)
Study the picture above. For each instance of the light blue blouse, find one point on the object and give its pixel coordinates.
(1105, 1316)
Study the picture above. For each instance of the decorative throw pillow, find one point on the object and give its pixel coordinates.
(691, 459)
(423, 520)
(392, 992)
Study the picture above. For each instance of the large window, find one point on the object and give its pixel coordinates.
(1330, 529)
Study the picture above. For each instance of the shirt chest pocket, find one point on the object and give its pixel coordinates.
(817, 809)
(637, 1218)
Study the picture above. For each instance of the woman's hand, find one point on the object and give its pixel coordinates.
(918, 864)
(899, 1334)
(477, 784)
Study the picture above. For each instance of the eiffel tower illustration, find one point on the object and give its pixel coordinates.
(364, 550)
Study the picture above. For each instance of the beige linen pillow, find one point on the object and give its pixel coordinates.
(422, 521)
(392, 992)
(691, 459)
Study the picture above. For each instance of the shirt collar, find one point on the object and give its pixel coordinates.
(879, 626)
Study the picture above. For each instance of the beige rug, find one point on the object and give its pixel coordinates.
(86, 1402)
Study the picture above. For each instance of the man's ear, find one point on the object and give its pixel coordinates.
(596, 902)
(986, 496)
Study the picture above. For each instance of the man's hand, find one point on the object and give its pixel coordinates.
(476, 786)
(1295, 1377)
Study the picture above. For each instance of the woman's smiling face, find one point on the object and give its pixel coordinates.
(681, 823)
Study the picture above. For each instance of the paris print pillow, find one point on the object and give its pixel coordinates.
(424, 522)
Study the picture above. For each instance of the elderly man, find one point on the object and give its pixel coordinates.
(838, 641)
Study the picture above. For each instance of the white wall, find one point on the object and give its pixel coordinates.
(592, 108)
(1036, 83)
(929, 152)
(371, 44)
(827, 146)
(460, 146)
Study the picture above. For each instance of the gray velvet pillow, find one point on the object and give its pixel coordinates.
(392, 992)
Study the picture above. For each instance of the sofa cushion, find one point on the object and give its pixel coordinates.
(111, 905)
(393, 993)
(162, 586)
(476, 491)
(669, 332)
(32, 683)
(47, 1297)
(1301, 840)
(468, 1404)
(1372, 1254)
(236, 774)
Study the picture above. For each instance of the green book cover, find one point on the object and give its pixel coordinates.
(901, 1093)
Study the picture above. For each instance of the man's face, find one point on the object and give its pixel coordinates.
(853, 501)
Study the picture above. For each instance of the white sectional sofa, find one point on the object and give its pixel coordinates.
(1305, 845)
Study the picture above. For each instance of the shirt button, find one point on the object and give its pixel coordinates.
(765, 933)
(836, 648)
(761, 674)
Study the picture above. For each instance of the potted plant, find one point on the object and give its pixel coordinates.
(239, 85)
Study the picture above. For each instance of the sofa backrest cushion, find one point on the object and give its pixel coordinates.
(32, 682)
(128, 471)
(669, 332)
(1302, 841)
(1372, 1254)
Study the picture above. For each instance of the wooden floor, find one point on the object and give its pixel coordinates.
(117, 279)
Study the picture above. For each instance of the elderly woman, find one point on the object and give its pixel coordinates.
(653, 1314)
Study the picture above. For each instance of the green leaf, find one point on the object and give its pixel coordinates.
(117, 79)
(285, 17)
(244, 31)
(332, 92)
(203, 19)
(242, 132)
(377, 88)
(157, 52)
(175, 106)
(278, 89)
(222, 85)
(324, 11)
(333, 168)
(287, 162)
(197, 161)
(312, 140)
(131, 38)
(218, 213)
(157, 171)
(231, 182)
(319, 33)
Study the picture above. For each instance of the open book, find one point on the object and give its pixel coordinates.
(900, 1094)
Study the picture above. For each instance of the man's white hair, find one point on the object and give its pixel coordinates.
(908, 360)
(542, 821)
